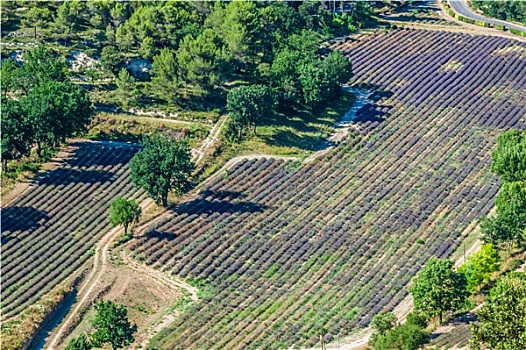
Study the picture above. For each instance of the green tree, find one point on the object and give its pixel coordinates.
(147, 49)
(163, 165)
(8, 77)
(285, 77)
(111, 59)
(124, 212)
(249, 105)
(278, 20)
(165, 82)
(405, 337)
(112, 326)
(381, 324)
(511, 10)
(68, 18)
(509, 159)
(164, 22)
(416, 319)
(509, 224)
(56, 110)
(119, 13)
(238, 25)
(79, 343)
(438, 289)
(480, 266)
(338, 69)
(200, 61)
(306, 43)
(37, 17)
(502, 318)
(17, 134)
(126, 89)
(314, 82)
(40, 65)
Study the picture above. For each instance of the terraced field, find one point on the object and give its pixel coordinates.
(49, 230)
(290, 250)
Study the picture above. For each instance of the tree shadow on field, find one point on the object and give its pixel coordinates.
(221, 194)
(369, 113)
(20, 218)
(101, 153)
(161, 235)
(209, 202)
(63, 176)
(380, 94)
(204, 206)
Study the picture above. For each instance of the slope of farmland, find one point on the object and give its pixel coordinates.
(291, 250)
(49, 230)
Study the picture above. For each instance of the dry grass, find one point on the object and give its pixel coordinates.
(18, 331)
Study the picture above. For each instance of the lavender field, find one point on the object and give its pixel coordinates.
(286, 249)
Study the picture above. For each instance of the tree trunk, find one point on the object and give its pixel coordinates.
(39, 150)
(125, 229)
(165, 200)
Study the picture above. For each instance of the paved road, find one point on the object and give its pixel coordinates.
(461, 7)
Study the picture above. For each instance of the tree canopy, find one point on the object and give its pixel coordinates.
(509, 159)
(389, 335)
(510, 10)
(79, 343)
(124, 212)
(111, 59)
(112, 326)
(41, 105)
(438, 289)
(502, 318)
(249, 106)
(509, 162)
(480, 266)
(126, 89)
(163, 165)
(17, 132)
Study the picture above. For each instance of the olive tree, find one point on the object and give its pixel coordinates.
(163, 165)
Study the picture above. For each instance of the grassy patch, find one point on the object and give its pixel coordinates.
(16, 332)
(298, 133)
(115, 127)
(24, 168)
(105, 93)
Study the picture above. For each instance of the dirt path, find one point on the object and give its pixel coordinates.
(100, 259)
(162, 278)
(210, 140)
(162, 120)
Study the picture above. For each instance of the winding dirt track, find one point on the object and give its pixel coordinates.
(162, 278)
(101, 259)
(210, 141)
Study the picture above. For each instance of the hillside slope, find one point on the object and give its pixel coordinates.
(290, 251)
